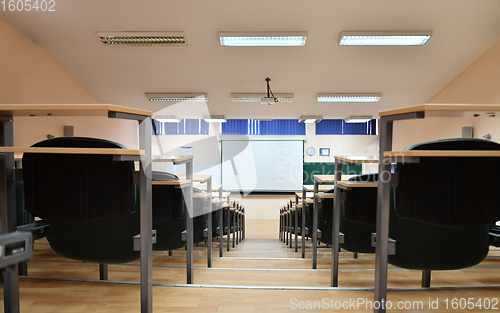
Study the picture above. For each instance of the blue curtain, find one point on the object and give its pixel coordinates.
(185, 127)
(340, 127)
(274, 127)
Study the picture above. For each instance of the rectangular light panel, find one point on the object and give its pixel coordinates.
(214, 119)
(348, 97)
(262, 39)
(142, 38)
(310, 119)
(255, 97)
(176, 97)
(167, 118)
(358, 119)
(389, 38)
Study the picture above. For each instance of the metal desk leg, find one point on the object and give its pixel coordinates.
(228, 225)
(315, 226)
(146, 215)
(336, 226)
(383, 203)
(189, 223)
(8, 212)
(287, 219)
(103, 271)
(303, 231)
(290, 218)
(209, 238)
(296, 227)
(234, 227)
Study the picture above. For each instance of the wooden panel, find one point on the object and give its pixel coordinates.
(442, 153)
(67, 110)
(357, 184)
(324, 195)
(201, 195)
(443, 108)
(72, 150)
(330, 178)
(308, 194)
(204, 187)
(172, 159)
(171, 182)
(320, 187)
(356, 159)
(198, 178)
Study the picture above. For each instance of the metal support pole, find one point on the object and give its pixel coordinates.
(8, 212)
(103, 271)
(146, 217)
(221, 225)
(303, 231)
(189, 223)
(426, 278)
(234, 226)
(383, 203)
(315, 226)
(209, 209)
(336, 226)
(228, 226)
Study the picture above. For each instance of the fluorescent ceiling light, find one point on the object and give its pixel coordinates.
(214, 119)
(348, 97)
(177, 97)
(167, 118)
(388, 38)
(262, 39)
(256, 97)
(358, 119)
(310, 119)
(263, 119)
(142, 38)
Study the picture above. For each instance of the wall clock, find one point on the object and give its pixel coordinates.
(310, 151)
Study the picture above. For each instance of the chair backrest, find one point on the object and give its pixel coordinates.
(72, 187)
(450, 191)
(361, 203)
(167, 199)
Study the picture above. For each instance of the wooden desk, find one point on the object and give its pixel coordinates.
(172, 159)
(8, 111)
(310, 188)
(322, 195)
(215, 188)
(300, 195)
(180, 183)
(351, 160)
(387, 119)
(198, 178)
(356, 184)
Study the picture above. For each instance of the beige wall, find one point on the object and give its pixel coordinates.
(477, 84)
(28, 75)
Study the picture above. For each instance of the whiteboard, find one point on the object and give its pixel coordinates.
(256, 166)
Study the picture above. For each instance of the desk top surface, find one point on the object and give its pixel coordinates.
(107, 151)
(67, 110)
(320, 187)
(205, 187)
(356, 159)
(171, 182)
(358, 184)
(323, 195)
(308, 194)
(198, 178)
(442, 153)
(172, 158)
(438, 107)
(329, 178)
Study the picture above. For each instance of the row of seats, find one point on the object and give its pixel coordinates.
(443, 210)
(91, 205)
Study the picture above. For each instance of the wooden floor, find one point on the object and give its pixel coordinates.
(260, 275)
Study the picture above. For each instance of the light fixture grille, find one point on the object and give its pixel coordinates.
(256, 97)
(158, 97)
(142, 38)
(262, 39)
(384, 38)
(344, 97)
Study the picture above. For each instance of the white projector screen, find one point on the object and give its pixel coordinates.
(256, 166)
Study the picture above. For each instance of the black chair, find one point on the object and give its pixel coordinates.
(442, 208)
(357, 216)
(89, 201)
(169, 214)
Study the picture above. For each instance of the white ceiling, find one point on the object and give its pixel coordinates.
(462, 31)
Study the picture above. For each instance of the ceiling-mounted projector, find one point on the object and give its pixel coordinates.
(268, 100)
